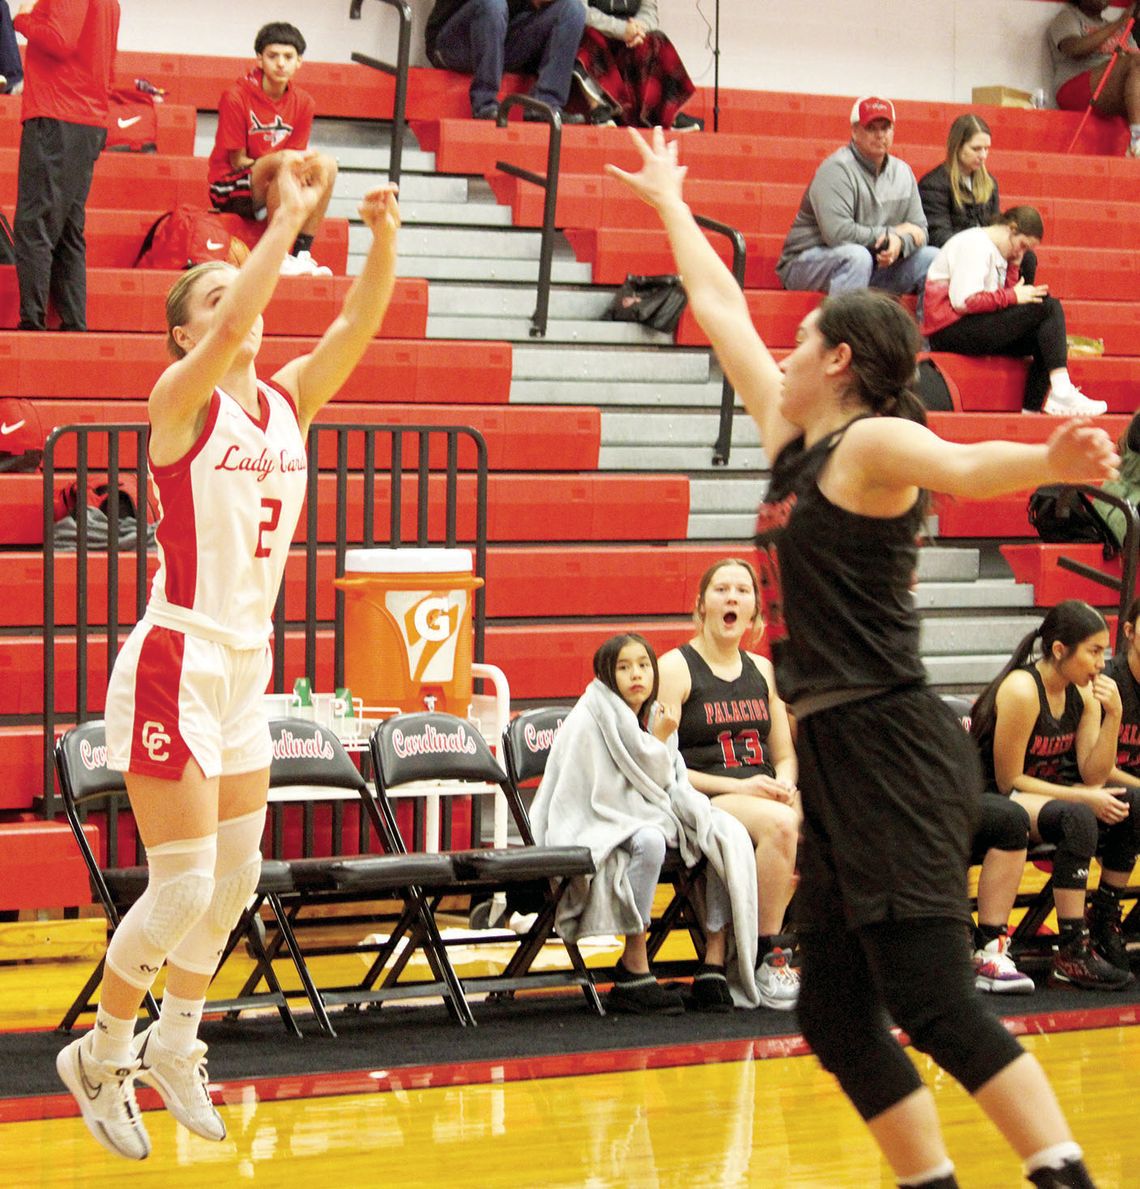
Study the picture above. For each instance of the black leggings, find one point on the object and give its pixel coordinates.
(918, 971)
(1077, 834)
(1036, 329)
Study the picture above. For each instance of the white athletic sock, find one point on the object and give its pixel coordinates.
(111, 1037)
(178, 1022)
(938, 1173)
(1055, 1157)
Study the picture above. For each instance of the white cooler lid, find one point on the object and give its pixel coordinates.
(407, 561)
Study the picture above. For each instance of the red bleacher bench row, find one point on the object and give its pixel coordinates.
(177, 124)
(134, 300)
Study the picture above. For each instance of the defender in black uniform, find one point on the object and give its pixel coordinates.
(889, 781)
(1047, 730)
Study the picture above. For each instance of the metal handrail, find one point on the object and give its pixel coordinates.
(399, 72)
(549, 184)
(723, 446)
(1125, 585)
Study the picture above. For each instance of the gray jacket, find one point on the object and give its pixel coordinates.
(614, 27)
(848, 203)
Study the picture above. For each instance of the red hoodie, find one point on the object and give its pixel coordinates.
(69, 60)
(250, 122)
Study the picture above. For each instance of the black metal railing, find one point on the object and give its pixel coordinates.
(549, 184)
(416, 468)
(399, 72)
(723, 446)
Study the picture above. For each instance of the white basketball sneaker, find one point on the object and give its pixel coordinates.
(776, 980)
(181, 1080)
(995, 970)
(1065, 399)
(106, 1097)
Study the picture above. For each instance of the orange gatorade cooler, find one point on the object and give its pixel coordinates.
(408, 637)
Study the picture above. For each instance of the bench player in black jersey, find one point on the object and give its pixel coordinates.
(737, 746)
(1047, 726)
(889, 781)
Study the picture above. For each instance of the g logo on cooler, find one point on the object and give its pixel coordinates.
(156, 741)
(431, 619)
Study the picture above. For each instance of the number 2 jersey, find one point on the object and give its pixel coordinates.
(229, 508)
(725, 724)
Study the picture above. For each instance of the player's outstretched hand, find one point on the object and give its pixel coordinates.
(380, 210)
(297, 190)
(660, 178)
(1081, 452)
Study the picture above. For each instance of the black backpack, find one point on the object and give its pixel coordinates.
(1065, 514)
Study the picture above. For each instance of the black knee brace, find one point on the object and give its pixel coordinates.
(1120, 843)
(1004, 825)
(1072, 829)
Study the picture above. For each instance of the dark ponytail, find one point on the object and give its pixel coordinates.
(884, 341)
(1068, 623)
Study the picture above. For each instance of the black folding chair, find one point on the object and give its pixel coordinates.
(310, 767)
(440, 748)
(89, 787)
(526, 747)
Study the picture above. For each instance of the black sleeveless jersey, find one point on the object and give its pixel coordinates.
(845, 582)
(725, 724)
(1051, 751)
(1128, 745)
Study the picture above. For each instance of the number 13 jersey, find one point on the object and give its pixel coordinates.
(229, 508)
(725, 724)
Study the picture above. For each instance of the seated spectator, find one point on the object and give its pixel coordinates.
(264, 122)
(629, 70)
(977, 303)
(11, 66)
(1048, 731)
(1081, 43)
(483, 38)
(615, 783)
(1126, 484)
(736, 741)
(860, 222)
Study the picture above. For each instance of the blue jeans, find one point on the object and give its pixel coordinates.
(851, 266)
(10, 64)
(483, 40)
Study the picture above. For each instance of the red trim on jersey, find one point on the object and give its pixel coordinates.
(157, 746)
(170, 468)
(284, 392)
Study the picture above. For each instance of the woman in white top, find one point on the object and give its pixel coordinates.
(977, 303)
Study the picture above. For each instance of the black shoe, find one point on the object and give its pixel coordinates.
(1077, 964)
(709, 992)
(490, 112)
(1073, 1175)
(642, 995)
(568, 117)
(683, 122)
(1105, 931)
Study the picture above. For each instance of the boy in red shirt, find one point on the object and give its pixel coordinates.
(264, 123)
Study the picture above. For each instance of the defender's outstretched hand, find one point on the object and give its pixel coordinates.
(380, 210)
(297, 189)
(1080, 452)
(660, 178)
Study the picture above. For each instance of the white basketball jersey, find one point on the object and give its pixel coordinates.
(228, 512)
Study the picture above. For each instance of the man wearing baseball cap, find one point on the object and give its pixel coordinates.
(860, 222)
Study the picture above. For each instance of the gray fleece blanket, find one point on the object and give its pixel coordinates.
(605, 779)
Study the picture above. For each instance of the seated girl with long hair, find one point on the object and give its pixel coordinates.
(614, 782)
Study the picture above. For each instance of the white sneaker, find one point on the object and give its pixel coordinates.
(777, 982)
(307, 266)
(106, 1097)
(1067, 400)
(995, 970)
(181, 1080)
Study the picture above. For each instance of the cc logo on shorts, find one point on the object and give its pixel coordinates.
(155, 740)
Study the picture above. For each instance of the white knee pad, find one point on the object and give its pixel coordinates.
(235, 880)
(179, 891)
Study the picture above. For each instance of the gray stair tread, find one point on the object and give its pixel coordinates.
(566, 330)
(976, 671)
(483, 301)
(696, 457)
(971, 635)
(450, 214)
(429, 188)
(451, 268)
(981, 592)
(674, 428)
(464, 242)
(602, 393)
(720, 526)
(568, 363)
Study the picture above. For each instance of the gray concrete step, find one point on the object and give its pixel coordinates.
(558, 330)
(604, 393)
(598, 365)
(464, 242)
(969, 635)
(451, 268)
(429, 189)
(973, 671)
(502, 301)
(978, 593)
(695, 458)
(677, 441)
